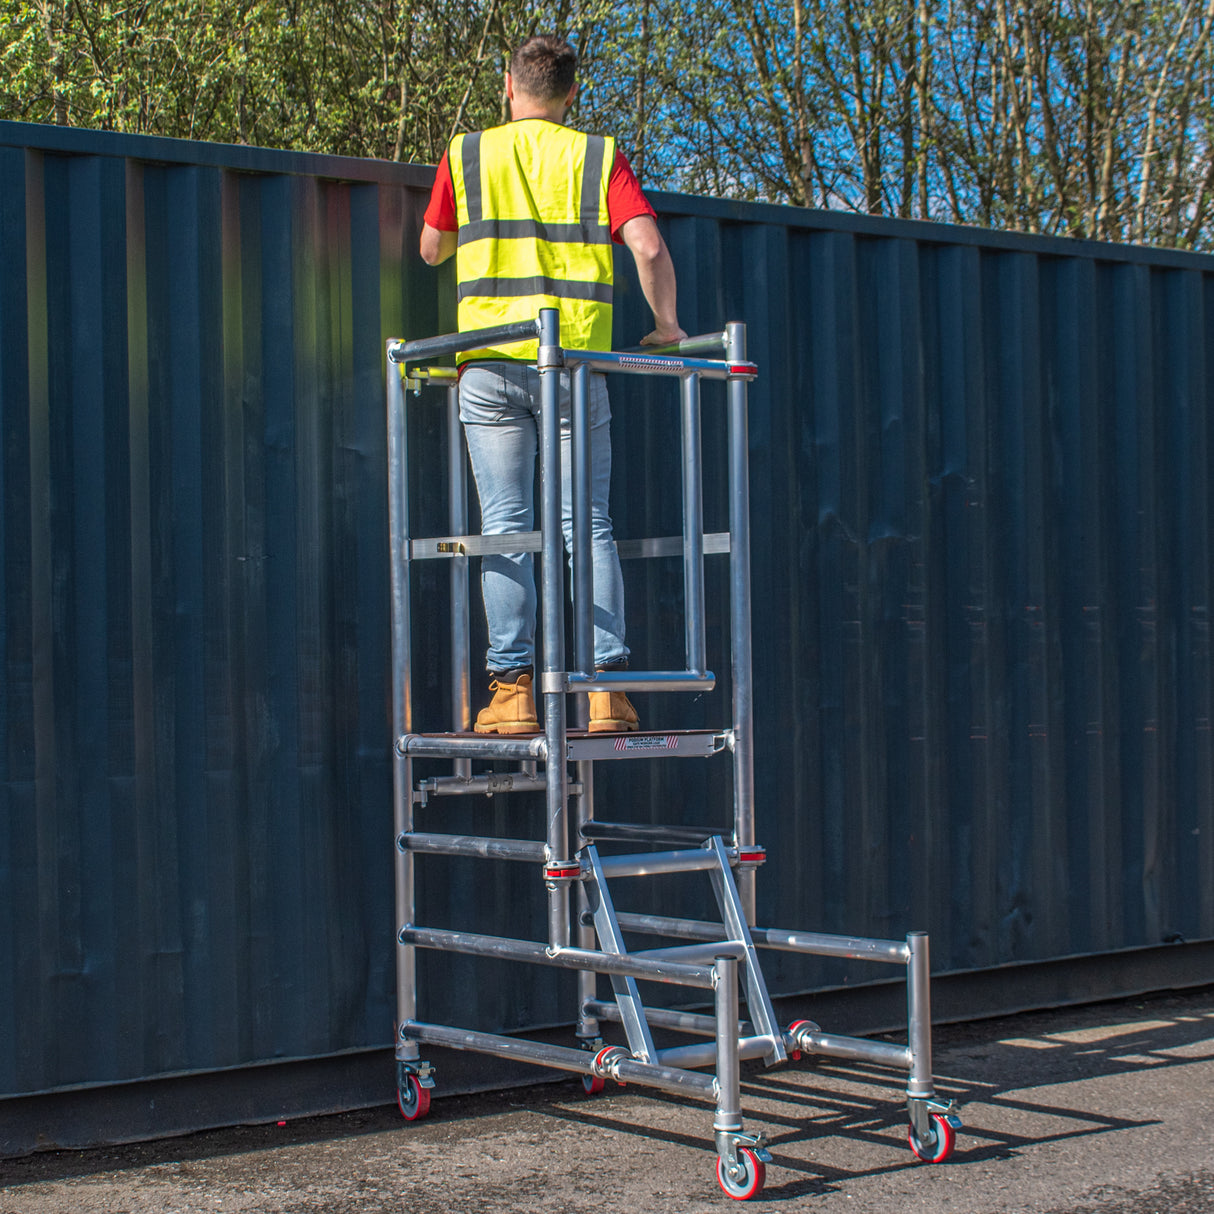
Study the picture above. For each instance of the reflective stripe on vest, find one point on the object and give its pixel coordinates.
(531, 201)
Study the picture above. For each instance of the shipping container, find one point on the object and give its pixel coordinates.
(981, 500)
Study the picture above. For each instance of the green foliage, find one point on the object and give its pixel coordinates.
(1080, 117)
(386, 78)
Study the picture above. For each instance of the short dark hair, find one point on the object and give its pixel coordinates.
(544, 67)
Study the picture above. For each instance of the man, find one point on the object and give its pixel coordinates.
(531, 210)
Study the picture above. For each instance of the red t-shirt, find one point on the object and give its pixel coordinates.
(625, 199)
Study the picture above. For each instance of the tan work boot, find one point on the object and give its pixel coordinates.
(610, 712)
(512, 709)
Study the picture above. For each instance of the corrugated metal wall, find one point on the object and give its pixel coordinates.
(981, 497)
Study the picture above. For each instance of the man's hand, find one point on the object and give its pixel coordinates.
(663, 337)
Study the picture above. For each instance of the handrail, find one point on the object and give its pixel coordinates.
(654, 357)
(456, 343)
(702, 344)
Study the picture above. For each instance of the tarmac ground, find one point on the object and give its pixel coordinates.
(1103, 1109)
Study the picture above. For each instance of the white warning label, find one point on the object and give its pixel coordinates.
(651, 741)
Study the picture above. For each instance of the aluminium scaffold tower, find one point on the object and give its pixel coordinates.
(584, 852)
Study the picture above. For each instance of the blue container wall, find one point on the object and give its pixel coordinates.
(981, 501)
(194, 761)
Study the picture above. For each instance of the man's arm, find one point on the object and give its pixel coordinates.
(656, 272)
(439, 224)
(436, 246)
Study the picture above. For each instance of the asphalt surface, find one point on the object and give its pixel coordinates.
(1107, 1109)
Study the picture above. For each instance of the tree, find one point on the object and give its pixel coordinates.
(1081, 117)
(387, 78)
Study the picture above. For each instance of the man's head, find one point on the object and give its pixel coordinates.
(542, 73)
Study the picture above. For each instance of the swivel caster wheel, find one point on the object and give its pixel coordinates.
(748, 1183)
(412, 1099)
(940, 1146)
(592, 1085)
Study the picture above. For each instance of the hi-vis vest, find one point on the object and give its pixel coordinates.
(531, 202)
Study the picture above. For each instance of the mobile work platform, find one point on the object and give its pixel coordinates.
(584, 853)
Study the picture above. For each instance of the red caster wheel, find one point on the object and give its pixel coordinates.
(592, 1085)
(412, 1099)
(941, 1144)
(749, 1182)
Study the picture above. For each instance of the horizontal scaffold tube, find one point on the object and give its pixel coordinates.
(892, 952)
(704, 1053)
(702, 343)
(645, 864)
(486, 785)
(453, 343)
(566, 958)
(560, 1056)
(642, 832)
(486, 746)
(628, 680)
(435, 546)
(472, 845)
(707, 951)
(662, 925)
(668, 1078)
(658, 364)
(665, 1018)
(859, 1049)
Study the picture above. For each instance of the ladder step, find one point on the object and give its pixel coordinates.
(637, 832)
(651, 863)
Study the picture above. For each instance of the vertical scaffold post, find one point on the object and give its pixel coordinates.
(583, 556)
(402, 716)
(739, 614)
(920, 1087)
(550, 361)
(406, 964)
(457, 521)
(398, 533)
(693, 528)
(728, 1120)
(583, 649)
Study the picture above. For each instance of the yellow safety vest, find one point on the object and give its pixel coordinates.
(531, 201)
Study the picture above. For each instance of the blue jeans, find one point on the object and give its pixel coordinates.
(499, 406)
